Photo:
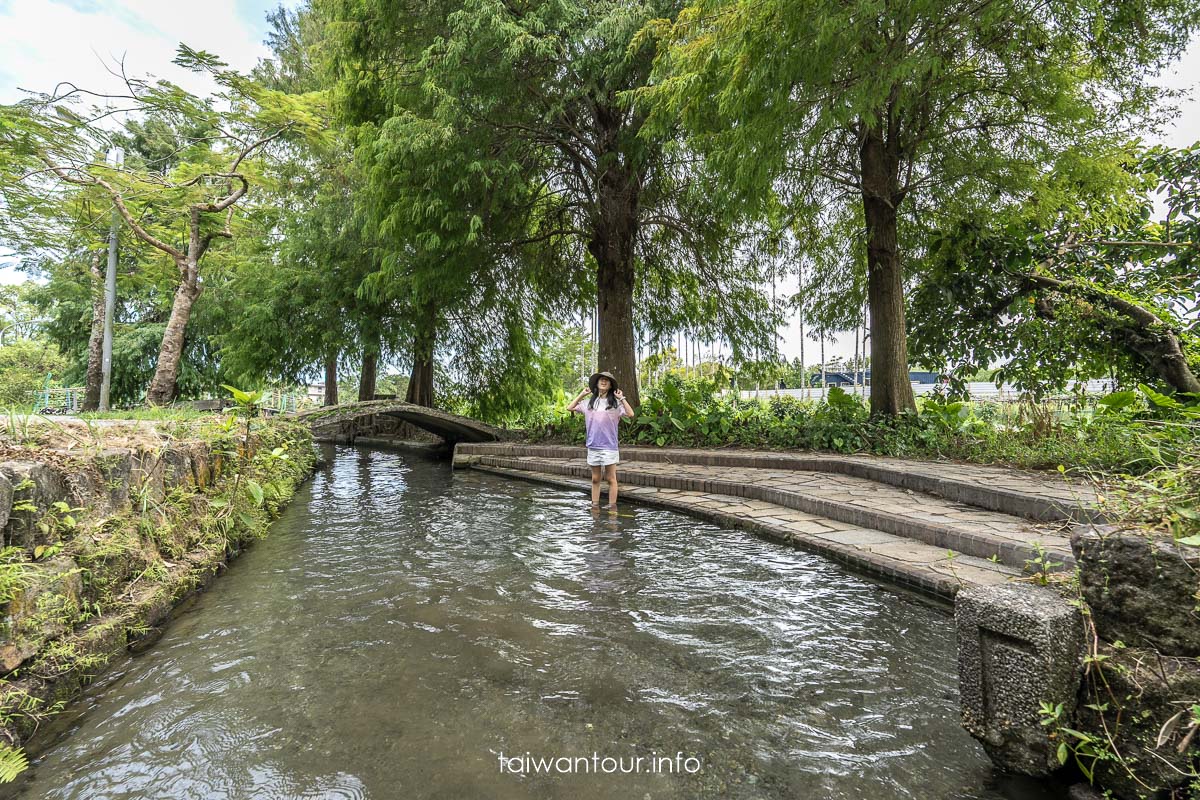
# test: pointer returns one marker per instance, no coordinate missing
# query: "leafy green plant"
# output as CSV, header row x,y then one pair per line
x,y
1041,567
248,402
13,576
12,762
1087,749
1118,402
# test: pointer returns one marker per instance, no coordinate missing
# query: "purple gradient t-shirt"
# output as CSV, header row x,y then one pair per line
x,y
601,422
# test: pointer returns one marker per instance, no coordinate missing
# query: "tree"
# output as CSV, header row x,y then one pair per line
x,y
24,365
1096,294
918,105
203,189
515,159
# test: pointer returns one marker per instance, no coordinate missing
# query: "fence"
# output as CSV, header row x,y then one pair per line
x,y
286,402
977,391
62,401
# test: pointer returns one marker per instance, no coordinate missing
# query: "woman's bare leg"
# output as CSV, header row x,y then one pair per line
x,y
596,485
612,485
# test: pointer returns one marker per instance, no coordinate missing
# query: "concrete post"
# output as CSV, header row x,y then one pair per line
x,y
1018,646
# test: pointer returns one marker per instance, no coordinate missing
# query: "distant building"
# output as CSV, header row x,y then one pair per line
x,y
863,378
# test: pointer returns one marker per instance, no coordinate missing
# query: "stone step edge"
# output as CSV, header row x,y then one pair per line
x,y
990,498
871,564
985,546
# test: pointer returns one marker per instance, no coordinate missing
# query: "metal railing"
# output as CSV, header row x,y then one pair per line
x,y
63,401
977,391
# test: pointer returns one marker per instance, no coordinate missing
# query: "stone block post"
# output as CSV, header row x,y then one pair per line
x,y
1018,646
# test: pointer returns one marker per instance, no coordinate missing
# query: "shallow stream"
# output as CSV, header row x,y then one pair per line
x,y
403,627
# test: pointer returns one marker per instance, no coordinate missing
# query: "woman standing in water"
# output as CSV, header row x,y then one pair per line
x,y
601,414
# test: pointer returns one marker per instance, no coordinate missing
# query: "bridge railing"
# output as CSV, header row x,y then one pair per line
x,y
66,400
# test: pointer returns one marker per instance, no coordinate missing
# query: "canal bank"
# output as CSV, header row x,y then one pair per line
x,y
107,526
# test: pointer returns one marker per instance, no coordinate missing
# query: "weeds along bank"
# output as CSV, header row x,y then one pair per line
x,y
106,526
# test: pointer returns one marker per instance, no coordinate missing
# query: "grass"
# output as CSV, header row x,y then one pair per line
x,y
150,414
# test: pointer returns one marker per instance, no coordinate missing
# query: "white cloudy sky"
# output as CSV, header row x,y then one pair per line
x,y
45,41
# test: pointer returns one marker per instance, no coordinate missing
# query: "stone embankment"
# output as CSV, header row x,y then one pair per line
x,y
106,527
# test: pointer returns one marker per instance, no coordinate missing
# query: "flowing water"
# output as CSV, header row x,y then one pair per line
x,y
408,632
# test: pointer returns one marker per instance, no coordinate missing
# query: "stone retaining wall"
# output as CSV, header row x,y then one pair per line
x,y
100,546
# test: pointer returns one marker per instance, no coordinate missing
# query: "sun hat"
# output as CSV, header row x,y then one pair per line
x,y
592,381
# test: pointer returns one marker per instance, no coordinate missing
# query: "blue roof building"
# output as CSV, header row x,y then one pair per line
x,y
863,378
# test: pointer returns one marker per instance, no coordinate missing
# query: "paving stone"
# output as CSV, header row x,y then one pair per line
x,y
904,550
860,536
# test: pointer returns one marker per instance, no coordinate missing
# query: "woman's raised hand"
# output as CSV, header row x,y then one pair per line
x,y
619,394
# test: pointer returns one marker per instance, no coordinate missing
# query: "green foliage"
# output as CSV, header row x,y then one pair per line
x,y
1094,289
1165,499
13,576
247,401
12,762
503,182
691,413
19,708
24,367
882,122
1086,749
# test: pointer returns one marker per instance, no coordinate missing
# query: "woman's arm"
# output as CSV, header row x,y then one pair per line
x,y
575,403
626,409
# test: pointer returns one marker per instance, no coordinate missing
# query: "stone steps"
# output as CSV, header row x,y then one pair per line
x,y
930,569
1037,496
830,498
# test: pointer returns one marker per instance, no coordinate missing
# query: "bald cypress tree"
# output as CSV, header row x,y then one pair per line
x,y
500,142
889,112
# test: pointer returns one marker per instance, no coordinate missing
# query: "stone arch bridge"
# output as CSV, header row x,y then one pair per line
x,y
330,420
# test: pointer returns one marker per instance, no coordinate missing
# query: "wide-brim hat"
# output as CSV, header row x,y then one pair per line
x,y
596,376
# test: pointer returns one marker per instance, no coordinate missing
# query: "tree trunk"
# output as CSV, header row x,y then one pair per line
x,y
614,303
1162,351
891,389
612,232
331,389
420,381
95,365
163,386
366,381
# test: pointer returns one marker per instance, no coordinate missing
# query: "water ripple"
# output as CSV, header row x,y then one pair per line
x,y
402,626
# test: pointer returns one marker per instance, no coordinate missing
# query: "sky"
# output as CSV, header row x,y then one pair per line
x,y
45,41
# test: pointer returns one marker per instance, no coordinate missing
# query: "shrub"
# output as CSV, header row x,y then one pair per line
x,y
24,365
1132,432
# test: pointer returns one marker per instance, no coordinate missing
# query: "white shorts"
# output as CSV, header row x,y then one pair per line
x,y
602,458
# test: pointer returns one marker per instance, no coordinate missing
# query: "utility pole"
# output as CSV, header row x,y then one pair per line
x,y
115,158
